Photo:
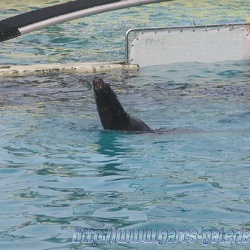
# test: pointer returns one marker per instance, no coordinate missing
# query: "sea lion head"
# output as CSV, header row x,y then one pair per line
x,y
110,110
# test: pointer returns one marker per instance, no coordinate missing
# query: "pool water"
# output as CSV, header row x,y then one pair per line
x,y
60,169
102,37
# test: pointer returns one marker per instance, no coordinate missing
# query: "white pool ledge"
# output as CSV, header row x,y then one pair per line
x,y
83,68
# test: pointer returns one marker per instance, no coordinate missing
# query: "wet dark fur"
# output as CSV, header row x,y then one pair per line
x,y
111,112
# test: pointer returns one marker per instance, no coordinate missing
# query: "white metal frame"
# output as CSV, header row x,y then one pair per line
x,y
180,28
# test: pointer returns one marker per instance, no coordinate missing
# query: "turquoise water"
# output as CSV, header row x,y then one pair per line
x,y
60,170
101,37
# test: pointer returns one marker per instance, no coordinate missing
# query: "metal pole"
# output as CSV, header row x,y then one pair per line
x,y
44,17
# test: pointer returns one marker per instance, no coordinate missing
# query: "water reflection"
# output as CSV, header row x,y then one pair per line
x,y
111,145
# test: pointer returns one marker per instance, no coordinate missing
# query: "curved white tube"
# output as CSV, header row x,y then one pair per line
x,y
84,13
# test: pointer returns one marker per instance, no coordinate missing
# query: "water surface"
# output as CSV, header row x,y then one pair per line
x,y
59,168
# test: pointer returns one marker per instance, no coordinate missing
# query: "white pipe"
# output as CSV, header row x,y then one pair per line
x,y
84,13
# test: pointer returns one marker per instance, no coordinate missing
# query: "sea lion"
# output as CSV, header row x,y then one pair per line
x,y
111,112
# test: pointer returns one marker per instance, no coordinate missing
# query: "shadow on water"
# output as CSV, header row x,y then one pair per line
x,y
110,145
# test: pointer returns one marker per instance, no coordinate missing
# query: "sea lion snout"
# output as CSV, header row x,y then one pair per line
x,y
98,83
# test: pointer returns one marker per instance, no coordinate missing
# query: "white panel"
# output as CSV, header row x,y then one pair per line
x,y
165,47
